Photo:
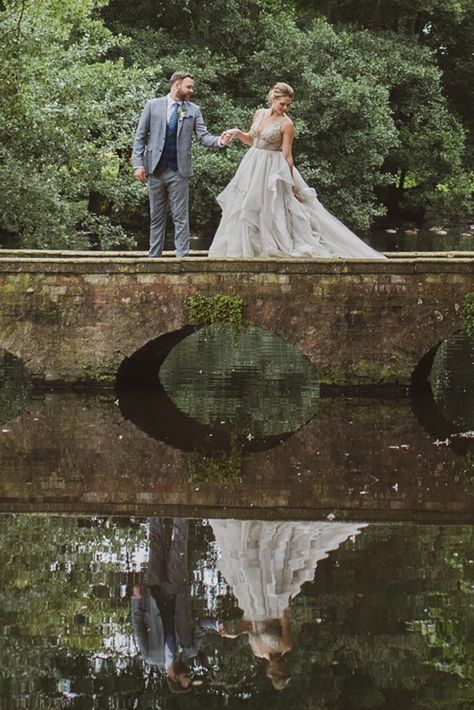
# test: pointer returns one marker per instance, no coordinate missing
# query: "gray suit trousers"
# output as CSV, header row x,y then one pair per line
x,y
168,187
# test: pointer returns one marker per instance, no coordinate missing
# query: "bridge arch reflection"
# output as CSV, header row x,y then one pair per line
x,y
203,387
443,395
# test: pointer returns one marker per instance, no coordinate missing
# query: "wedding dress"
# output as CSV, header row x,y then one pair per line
x,y
266,563
261,217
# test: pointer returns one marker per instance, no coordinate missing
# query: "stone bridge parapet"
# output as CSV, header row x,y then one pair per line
x,y
74,318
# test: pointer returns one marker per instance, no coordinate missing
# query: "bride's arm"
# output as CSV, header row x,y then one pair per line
x,y
288,132
242,137
246,138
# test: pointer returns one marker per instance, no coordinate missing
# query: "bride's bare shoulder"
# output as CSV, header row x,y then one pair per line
x,y
259,112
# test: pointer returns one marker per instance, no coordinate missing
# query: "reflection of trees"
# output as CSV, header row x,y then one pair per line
x,y
358,630
261,383
444,626
452,379
62,593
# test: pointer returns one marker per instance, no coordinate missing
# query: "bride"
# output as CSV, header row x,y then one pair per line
x,y
267,208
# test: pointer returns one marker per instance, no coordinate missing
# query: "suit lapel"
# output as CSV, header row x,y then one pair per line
x,y
163,114
184,107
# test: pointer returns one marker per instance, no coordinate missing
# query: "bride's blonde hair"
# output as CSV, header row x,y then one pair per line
x,y
280,89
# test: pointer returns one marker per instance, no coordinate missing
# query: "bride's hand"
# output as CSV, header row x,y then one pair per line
x,y
298,197
226,137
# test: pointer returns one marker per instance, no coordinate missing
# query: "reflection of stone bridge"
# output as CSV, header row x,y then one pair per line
x,y
73,317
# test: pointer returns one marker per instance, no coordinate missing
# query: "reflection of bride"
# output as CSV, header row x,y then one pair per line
x,y
267,209
266,564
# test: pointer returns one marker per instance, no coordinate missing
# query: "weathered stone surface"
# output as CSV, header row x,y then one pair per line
x,y
74,319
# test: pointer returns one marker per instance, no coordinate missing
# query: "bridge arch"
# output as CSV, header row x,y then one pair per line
x,y
421,373
73,318
142,367
214,380
15,385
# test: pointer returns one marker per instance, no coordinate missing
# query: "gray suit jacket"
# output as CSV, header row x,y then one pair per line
x,y
151,133
149,634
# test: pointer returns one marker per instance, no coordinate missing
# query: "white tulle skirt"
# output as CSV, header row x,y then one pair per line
x,y
266,563
261,216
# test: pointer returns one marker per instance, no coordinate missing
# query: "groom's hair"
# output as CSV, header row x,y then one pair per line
x,y
179,76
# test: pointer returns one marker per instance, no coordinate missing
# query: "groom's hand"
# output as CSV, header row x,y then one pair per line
x,y
226,137
140,174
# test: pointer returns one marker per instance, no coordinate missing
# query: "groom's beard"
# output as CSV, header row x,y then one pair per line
x,y
184,95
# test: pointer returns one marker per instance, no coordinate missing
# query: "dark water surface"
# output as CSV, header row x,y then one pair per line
x,y
369,616
331,536
238,426
454,239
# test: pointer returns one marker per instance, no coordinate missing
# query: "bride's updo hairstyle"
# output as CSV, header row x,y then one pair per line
x,y
278,91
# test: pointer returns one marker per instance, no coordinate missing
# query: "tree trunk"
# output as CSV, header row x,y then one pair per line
x,y
326,9
401,182
413,23
94,206
376,14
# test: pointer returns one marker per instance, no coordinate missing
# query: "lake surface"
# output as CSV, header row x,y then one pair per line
x,y
330,532
238,426
381,616
454,239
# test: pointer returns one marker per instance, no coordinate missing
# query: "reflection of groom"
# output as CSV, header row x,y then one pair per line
x,y
161,609
162,152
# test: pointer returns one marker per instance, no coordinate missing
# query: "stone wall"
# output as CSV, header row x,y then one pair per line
x,y
75,318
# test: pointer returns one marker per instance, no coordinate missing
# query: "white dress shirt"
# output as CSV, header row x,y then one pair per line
x,y
171,103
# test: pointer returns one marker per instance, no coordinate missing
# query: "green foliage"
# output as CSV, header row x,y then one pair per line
x,y
67,114
381,93
221,308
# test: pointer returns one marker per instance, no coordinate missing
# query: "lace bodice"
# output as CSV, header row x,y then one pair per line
x,y
269,137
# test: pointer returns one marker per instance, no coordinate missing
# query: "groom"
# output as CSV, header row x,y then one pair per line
x,y
167,635
162,154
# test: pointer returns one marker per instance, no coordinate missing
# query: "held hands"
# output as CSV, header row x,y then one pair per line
x,y
224,631
226,137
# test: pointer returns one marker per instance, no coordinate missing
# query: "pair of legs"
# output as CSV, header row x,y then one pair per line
x,y
168,186
167,575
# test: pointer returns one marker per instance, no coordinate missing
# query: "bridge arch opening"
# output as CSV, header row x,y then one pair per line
x,y
143,366
15,385
443,391
252,387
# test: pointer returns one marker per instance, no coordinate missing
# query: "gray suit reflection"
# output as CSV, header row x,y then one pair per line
x,y
161,610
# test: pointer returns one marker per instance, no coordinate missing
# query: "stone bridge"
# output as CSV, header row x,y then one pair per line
x,y
80,318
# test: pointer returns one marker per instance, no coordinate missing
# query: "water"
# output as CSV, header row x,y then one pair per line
x,y
255,382
424,240
359,508
380,615
455,239
452,381
227,438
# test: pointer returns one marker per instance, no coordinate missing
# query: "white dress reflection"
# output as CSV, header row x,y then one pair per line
x,y
266,563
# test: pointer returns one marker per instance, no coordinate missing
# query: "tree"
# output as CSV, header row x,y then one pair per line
x,y
67,113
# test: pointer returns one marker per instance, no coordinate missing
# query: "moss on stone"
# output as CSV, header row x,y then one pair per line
x,y
220,308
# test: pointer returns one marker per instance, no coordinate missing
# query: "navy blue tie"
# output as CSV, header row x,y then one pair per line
x,y
173,118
